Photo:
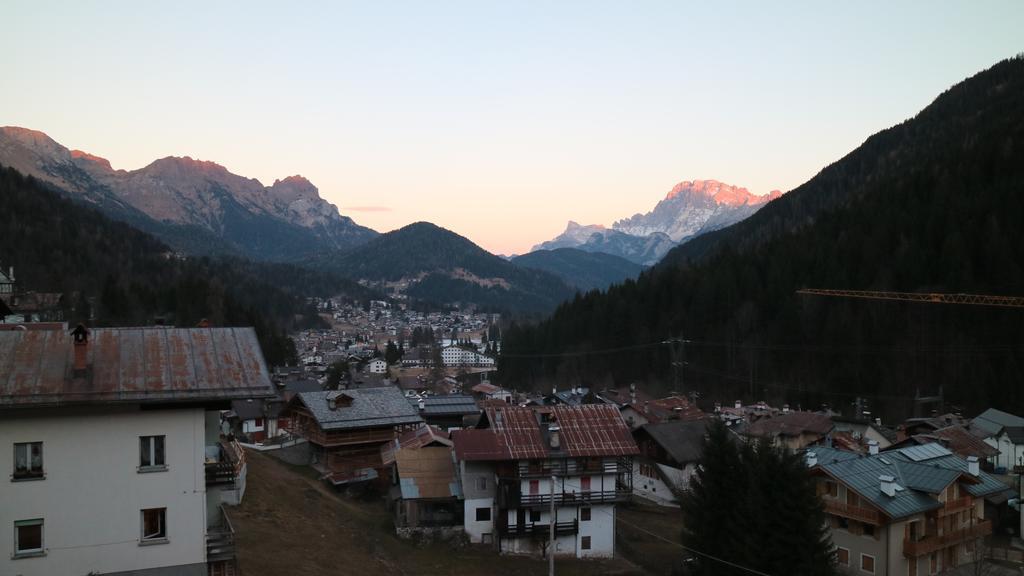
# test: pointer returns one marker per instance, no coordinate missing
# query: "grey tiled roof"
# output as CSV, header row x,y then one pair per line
x,y
992,421
370,408
917,481
683,440
447,405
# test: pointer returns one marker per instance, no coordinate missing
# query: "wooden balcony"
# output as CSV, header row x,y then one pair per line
x,y
575,498
538,530
228,466
956,505
572,467
859,513
347,438
932,543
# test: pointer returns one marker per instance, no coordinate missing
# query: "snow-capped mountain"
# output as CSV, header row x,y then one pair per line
x,y
695,207
645,250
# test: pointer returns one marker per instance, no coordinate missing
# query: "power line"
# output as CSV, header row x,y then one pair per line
x,y
687,548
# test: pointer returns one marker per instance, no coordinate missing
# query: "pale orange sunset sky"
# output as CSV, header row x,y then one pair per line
x,y
498,120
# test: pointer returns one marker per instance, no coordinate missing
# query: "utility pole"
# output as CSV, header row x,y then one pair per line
x,y
676,348
551,531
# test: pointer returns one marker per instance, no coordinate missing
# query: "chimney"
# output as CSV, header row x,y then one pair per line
x,y
422,404
738,405
81,338
785,408
812,459
972,466
888,485
873,447
878,421
677,412
718,407
10,274
554,440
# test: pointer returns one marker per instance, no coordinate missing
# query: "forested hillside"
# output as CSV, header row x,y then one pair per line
x,y
122,276
933,204
443,267
580,269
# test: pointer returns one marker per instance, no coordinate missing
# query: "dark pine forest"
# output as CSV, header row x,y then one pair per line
x,y
934,204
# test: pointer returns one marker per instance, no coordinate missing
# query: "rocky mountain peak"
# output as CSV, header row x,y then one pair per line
x,y
79,155
294,188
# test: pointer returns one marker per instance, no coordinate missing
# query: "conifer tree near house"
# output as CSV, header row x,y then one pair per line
x,y
755,506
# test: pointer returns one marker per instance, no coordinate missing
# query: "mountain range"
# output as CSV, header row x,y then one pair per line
x,y
932,204
195,206
433,264
690,208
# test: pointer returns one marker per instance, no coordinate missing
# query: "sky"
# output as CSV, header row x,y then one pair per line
x,y
498,120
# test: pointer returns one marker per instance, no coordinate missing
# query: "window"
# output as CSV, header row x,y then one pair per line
x,y
869,529
154,525
481,483
585,483
867,563
483,514
534,515
258,422
585,543
585,514
844,523
832,489
933,562
842,556
151,452
28,460
534,486
28,538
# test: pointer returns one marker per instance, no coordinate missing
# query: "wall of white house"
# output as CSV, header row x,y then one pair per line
x,y
649,485
477,530
1008,451
600,529
93,493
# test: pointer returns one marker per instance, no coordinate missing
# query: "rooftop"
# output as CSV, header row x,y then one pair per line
x,y
920,472
131,365
683,440
515,433
791,424
369,408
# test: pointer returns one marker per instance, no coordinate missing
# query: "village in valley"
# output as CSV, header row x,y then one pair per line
x,y
392,414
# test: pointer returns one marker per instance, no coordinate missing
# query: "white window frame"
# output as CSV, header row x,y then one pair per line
x,y
42,538
847,550
143,539
874,563
32,474
152,466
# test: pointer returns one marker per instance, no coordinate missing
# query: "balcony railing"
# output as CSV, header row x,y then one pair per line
x,y
571,467
840,508
228,466
575,498
221,557
537,529
956,505
931,543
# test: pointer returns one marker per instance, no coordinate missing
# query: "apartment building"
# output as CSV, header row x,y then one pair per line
x,y
909,511
521,460
116,464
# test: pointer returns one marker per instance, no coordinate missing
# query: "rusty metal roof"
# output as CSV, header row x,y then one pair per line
x,y
131,365
413,439
514,433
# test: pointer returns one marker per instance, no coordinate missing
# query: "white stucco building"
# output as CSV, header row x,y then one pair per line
x,y
118,464
521,460
377,366
456,356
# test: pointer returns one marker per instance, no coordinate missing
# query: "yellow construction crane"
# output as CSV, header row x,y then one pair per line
x,y
931,298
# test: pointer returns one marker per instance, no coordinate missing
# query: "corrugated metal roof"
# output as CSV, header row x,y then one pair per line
x,y
370,408
514,433
992,421
791,424
132,365
427,473
917,481
423,436
924,452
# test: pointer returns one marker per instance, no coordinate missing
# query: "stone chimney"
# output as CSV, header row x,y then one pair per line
x,y
553,436
888,485
422,404
872,447
972,466
812,459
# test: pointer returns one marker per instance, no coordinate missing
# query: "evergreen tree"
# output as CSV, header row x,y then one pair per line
x,y
755,506
391,355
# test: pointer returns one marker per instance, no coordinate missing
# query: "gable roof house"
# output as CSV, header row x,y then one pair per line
x,y
791,430
447,410
915,510
347,428
116,446
425,492
1004,432
665,409
668,459
507,464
